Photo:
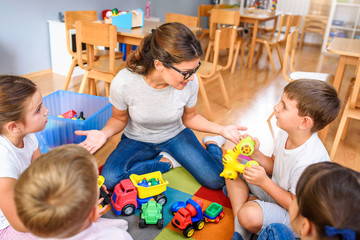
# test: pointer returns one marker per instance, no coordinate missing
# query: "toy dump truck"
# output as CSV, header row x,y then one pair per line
x,y
132,193
214,213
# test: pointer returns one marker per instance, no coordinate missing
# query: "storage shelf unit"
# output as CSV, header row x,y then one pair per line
x,y
344,21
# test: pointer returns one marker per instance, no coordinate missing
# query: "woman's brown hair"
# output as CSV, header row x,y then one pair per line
x,y
14,94
169,43
328,194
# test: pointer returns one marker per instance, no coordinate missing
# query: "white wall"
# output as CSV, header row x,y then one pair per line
x,y
24,35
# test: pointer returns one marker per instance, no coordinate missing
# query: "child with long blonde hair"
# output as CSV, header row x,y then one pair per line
x,y
21,115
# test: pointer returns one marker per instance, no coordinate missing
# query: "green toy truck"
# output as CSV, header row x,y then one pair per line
x,y
151,213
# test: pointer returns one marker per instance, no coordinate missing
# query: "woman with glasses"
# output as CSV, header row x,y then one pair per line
x,y
154,102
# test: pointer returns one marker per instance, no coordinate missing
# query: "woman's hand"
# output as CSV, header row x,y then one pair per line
x,y
232,132
94,139
255,175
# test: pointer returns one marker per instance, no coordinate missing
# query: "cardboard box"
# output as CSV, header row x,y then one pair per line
x,y
131,19
58,131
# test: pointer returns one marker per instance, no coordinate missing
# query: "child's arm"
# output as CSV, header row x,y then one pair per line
x,y
7,203
266,162
36,154
256,175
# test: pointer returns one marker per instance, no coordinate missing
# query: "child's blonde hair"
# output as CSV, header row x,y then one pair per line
x,y
14,94
56,194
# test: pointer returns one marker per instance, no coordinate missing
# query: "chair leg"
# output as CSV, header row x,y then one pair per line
x,y
208,51
242,54
83,82
237,49
302,36
270,57
259,52
107,89
279,55
269,119
223,90
345,129
205,98
68,77
342,123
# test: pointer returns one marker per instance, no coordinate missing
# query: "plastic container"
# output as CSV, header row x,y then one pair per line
x,y
129,20
58,131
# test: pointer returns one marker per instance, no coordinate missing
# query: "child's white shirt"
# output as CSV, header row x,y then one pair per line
x,y
290,164
104,228
14,161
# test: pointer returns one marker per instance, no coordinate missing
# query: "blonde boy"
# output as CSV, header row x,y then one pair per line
x,y
306,107
57,197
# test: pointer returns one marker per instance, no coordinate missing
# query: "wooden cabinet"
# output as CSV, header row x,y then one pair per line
x,y
344,21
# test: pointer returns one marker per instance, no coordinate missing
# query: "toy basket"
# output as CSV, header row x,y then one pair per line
x,y
58,131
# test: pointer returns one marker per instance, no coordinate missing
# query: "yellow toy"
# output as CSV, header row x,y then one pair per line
x,y
231,165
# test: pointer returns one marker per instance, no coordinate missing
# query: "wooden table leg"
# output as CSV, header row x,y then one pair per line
x,y
252,47
339,72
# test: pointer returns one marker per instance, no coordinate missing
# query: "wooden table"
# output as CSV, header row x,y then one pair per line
x,y
135,35
253,18
349,51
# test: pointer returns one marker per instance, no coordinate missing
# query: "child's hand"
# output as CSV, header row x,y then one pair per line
x,y
104,209
94,140
255,175
232,132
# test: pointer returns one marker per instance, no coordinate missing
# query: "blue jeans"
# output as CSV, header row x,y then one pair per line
x,y
276,231
131,156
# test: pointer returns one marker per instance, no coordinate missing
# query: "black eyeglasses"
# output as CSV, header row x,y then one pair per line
x,y
187,74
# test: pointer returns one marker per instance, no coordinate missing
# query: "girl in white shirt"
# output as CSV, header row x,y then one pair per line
x,y
21,115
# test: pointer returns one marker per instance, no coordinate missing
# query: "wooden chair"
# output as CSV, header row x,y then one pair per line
x,y
289,57
225,38
273,41
203,12
290,50
220,18
317,18
189,21
70,18
106,67
351,111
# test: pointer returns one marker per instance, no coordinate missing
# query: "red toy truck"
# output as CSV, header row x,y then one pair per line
x,y
189,218
131,193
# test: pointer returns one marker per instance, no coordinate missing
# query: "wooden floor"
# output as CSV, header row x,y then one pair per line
x,y
253,93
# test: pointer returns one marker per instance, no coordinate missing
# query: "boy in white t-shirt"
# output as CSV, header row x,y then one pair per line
x,y
57,198
306,106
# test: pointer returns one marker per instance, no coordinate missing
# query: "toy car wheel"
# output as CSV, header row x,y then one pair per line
x,y
128,209
188,231
142,223
160,223
222,214
200,224
161,198
217,219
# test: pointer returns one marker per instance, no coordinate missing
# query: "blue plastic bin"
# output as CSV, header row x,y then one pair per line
x,y
97,111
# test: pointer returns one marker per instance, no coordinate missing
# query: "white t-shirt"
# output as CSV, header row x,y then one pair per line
x,y
103,229
14,161
289,164
154,114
